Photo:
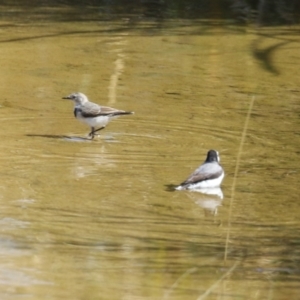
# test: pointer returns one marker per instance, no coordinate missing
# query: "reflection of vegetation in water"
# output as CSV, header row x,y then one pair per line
x,y
236,173
259,11
262,12
267,11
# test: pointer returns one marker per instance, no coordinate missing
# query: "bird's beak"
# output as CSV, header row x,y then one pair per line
x,y
67,97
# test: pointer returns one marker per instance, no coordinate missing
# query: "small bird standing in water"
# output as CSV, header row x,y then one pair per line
x,y
209,175
96,116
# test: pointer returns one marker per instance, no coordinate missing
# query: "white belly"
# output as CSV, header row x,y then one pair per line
x,y
96,122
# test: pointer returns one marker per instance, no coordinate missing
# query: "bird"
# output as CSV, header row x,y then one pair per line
x,y
208,175
92,114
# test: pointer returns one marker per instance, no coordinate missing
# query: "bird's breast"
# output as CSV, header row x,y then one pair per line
x,y
78,113
75,112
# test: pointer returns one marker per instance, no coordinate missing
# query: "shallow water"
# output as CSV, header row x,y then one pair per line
x,y
87,219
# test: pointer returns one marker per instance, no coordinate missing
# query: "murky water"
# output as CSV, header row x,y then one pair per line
x,y
87,219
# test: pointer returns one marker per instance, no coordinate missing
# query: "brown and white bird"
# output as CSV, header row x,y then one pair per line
x,y
92,114
209,175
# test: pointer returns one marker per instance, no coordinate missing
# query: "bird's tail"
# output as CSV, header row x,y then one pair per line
x,y
120,113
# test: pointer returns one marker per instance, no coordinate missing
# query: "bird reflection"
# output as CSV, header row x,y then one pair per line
x,y
209,199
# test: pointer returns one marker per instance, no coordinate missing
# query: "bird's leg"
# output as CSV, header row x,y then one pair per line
x,y
98,129
92,133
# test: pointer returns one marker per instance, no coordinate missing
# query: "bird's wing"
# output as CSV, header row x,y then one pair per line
x,y
204,172
90,109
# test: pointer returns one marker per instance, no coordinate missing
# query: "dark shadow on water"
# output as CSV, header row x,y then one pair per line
x,y
61,137
265,56
170,187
